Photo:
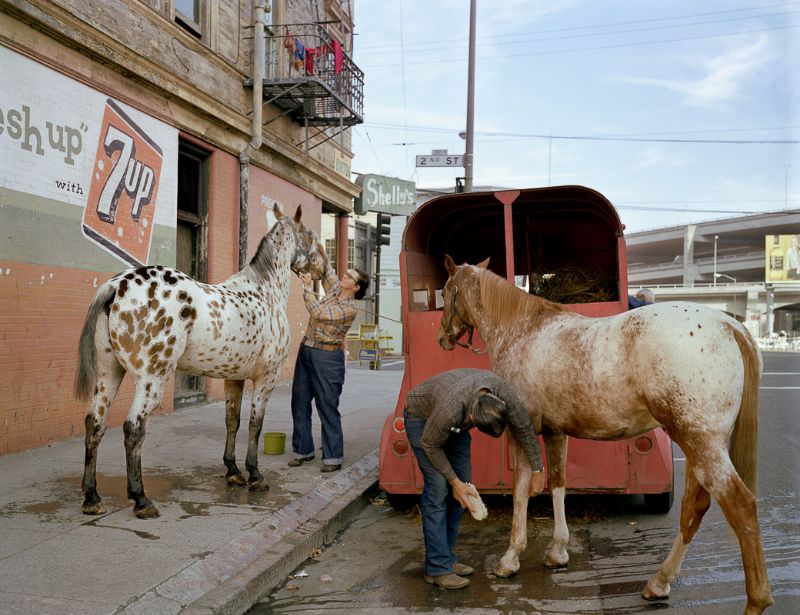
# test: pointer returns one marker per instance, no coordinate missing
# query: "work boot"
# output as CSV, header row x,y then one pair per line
x,y
447,581
462,570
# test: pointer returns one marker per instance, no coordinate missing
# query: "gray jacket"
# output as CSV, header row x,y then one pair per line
x,y
442,401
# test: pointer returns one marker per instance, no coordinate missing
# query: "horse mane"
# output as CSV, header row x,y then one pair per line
x,y
264,260
505,303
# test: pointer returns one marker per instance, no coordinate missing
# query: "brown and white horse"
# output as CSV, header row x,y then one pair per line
x,y
150,321
690,369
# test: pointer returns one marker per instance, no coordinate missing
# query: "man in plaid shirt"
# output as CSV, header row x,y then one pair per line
x,y
320,365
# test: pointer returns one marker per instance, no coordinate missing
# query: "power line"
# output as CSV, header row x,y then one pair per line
x,y
437,46
606,25
595,48
629,139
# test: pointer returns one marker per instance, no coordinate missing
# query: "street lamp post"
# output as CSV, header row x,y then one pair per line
x,y
723,275
468,172
716,237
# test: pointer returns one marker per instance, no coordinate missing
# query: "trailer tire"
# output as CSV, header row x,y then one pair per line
x,y
402,501
659,503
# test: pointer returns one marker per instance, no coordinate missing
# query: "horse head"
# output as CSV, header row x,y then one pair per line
x,y
456,318
309,255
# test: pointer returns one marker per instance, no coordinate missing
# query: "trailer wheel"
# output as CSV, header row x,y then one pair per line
x,y
402,501
660,503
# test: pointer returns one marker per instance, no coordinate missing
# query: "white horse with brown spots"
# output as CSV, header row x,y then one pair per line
x,y
150,321
690,369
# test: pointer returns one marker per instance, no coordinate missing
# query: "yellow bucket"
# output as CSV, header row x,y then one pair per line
x,y
274,442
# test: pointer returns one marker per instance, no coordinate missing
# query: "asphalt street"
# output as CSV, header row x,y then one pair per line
x,y
375,565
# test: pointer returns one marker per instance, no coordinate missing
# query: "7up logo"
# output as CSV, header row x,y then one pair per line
x,y
119,211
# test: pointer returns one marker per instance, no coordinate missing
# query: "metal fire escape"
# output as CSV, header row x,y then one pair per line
x,y
309,76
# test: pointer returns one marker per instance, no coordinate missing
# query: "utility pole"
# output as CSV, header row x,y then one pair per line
x,y
468,171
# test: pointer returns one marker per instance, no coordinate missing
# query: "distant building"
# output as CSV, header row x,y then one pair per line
x,y
737,264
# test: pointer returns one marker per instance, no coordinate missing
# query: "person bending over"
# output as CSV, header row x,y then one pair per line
x,y
438,416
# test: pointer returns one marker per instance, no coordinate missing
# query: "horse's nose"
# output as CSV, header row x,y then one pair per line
x,y
445,342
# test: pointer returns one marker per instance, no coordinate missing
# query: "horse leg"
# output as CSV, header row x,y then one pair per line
x,y
509,563
739,506
262,389
233,406
718,477
109,377
694,505
556,449
147,397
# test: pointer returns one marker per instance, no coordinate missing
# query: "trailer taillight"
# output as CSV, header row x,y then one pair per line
x,y
400,448
643,444
399,425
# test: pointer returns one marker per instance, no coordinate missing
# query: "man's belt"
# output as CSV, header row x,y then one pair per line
x,y
323,345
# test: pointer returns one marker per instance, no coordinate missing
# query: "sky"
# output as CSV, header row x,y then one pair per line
x,y
677,111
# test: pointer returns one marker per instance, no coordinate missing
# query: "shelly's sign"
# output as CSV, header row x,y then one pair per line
x,y
124,184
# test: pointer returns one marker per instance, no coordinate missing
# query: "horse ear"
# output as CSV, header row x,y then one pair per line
x,y
449,264
276,209
298,214
483,264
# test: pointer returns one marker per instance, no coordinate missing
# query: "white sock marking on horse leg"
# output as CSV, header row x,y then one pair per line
x,y
557,554
659,584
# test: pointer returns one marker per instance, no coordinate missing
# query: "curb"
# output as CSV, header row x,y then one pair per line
x,y
233,578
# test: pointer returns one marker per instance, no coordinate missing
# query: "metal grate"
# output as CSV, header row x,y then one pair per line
x,y
309,75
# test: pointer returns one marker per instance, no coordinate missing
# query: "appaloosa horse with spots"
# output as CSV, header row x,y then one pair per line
x,y
150,321
690,369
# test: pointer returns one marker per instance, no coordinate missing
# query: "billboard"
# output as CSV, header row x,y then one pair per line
x,y
782,256
86,181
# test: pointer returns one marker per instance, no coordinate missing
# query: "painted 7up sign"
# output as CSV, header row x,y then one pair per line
x,y
124,184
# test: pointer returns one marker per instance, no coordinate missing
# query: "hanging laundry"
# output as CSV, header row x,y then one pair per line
x,y
338,59
311,52
299,55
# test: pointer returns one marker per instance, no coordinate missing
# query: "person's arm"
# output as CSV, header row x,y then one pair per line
x,y
436,432
524,431
329,281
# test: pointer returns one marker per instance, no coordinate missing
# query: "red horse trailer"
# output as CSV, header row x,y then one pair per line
x,y
523,232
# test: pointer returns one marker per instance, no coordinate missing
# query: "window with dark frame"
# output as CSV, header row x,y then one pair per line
x,y
189,15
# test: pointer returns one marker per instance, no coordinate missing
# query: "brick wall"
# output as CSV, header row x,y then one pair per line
x,y
42,309
223,232
265,189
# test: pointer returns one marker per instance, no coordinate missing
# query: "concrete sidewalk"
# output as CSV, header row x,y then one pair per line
x,y
215,548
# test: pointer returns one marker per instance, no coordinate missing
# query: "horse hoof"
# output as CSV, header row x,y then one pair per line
x,y
503,571
259,485
95,508
236,480
655,590
552,561
147,512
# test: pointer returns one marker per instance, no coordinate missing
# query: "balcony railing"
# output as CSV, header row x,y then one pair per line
x,y
308,74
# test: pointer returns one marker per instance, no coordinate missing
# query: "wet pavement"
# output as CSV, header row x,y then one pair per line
x,y
375,565
215,548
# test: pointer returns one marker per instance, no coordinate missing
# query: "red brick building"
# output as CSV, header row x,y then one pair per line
x,y
133,132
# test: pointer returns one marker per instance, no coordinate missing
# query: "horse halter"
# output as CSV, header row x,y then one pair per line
x,y
298,245
454,312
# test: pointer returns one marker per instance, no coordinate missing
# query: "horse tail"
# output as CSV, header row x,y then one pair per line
x,y
86,373
744,440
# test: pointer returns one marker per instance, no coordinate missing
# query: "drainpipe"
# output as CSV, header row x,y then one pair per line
x,y
256,134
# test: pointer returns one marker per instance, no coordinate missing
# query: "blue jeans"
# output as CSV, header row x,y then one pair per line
x,y
318,375
441,512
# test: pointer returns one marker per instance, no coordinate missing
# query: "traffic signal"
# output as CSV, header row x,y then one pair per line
x,y
384,229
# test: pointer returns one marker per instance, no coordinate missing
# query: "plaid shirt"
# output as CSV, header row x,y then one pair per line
x,y
330,316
